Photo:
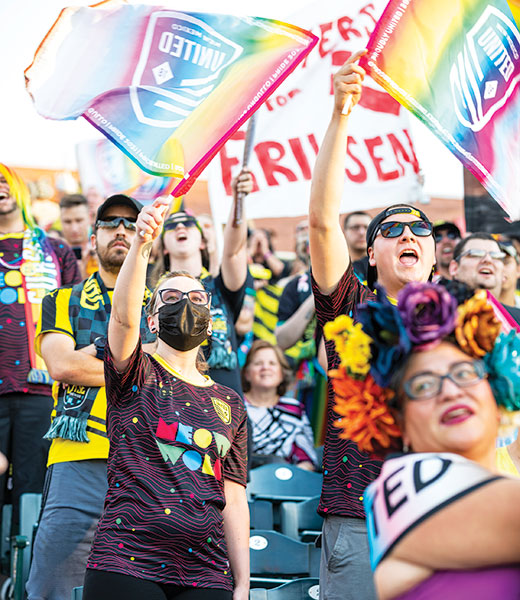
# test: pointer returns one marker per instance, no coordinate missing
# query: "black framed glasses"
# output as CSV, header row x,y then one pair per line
x,y
428,385
114,222
481,253
451,235
172,296
393,229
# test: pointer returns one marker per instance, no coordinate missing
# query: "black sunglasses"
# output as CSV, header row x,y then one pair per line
x,y
393,229
189,222
451,235
172,296
114,222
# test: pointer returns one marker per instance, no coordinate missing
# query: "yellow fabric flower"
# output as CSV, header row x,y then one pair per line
x,y
352,344
477,327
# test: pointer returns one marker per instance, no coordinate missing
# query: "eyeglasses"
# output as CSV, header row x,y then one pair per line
x,y
481,253
114,222
428,385
451,235
189,222
172,296
393,229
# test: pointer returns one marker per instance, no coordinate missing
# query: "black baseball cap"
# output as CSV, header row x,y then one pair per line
x,y
373,228
446,226
118,200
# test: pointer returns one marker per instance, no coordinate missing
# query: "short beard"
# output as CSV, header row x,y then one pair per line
x,y
110,264
8,211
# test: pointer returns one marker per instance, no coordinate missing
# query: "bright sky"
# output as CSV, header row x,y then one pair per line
x,y
30,140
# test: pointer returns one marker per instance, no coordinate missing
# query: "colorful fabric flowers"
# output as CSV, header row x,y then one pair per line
x,y
390,341
352,344
428,312
365,416
503,367
477,326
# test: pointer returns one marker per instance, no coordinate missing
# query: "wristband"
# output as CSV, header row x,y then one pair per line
x,y
100,343
267,255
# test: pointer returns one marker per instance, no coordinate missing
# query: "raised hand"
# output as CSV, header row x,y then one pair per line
x,y
348,84
151,219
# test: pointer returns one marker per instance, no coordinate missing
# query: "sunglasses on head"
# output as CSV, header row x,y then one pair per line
x,y
481,253
172,296
114,222
451,235
188,222
393,229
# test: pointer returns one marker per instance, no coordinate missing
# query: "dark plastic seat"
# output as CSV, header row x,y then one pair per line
x,y
279,483
261,514
276,558
299,589
77,593
299,520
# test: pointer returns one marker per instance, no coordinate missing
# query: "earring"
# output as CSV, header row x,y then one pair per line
x,y
406,448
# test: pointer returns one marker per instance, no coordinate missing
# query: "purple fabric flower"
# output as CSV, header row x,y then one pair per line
x,y
382,322
428,311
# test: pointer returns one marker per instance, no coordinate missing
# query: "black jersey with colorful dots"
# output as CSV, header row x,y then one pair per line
x,y
172,444
15,362
346,470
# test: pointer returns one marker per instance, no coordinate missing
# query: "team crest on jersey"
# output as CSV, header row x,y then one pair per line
x,y
222,409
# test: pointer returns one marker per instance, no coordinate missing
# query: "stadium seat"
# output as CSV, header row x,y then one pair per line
x,y
300,521
298,589
260,514
279,483
276,558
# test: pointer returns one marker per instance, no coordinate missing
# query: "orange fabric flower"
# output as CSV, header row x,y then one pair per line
x,y
477,327
365,416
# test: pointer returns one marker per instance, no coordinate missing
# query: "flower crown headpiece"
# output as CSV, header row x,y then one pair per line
x,y
371,350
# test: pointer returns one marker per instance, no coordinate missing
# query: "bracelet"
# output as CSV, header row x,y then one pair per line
x,y
267,255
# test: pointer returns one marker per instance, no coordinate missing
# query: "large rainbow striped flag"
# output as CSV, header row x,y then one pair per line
x,y
455,64
167,87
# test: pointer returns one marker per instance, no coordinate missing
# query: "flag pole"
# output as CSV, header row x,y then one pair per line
x,y
248,146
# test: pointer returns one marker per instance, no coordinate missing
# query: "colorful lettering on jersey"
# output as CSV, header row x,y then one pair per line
x,y
202,438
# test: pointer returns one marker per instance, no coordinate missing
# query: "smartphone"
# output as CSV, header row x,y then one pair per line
x,y
77,252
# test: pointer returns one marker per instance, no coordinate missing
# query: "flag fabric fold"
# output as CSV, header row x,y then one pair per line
x,y
455,64
167,87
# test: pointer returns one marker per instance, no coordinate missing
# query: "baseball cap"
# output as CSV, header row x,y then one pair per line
x,y
446,225
117,200
373,228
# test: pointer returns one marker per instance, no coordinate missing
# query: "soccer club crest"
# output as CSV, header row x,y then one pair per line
x,y
222,409
182,60
486,70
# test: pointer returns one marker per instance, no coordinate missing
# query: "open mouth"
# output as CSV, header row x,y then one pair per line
x,y
486,271
456,414
408,257
4,196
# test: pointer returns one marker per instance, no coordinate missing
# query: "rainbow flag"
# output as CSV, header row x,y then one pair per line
x,y
455,64
102,165
167,87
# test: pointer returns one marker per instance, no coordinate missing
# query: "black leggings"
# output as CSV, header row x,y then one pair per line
x,y
104,585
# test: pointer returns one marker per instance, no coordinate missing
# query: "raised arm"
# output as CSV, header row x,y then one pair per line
x,y
234,255
329,250
127,301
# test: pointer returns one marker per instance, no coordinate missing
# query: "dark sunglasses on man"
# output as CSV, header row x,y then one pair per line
x,y
450,235
393,229
481,253
114,222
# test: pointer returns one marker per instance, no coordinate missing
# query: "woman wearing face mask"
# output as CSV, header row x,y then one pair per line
x,y
176,520
426,377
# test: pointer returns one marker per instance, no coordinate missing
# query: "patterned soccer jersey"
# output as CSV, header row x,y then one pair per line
x,y
172,444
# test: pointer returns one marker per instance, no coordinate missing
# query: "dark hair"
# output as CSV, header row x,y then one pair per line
x,y
286,371
71,200
356,213
201,364
479,235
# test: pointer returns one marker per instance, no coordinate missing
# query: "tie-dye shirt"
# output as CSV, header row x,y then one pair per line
x,y
172,444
